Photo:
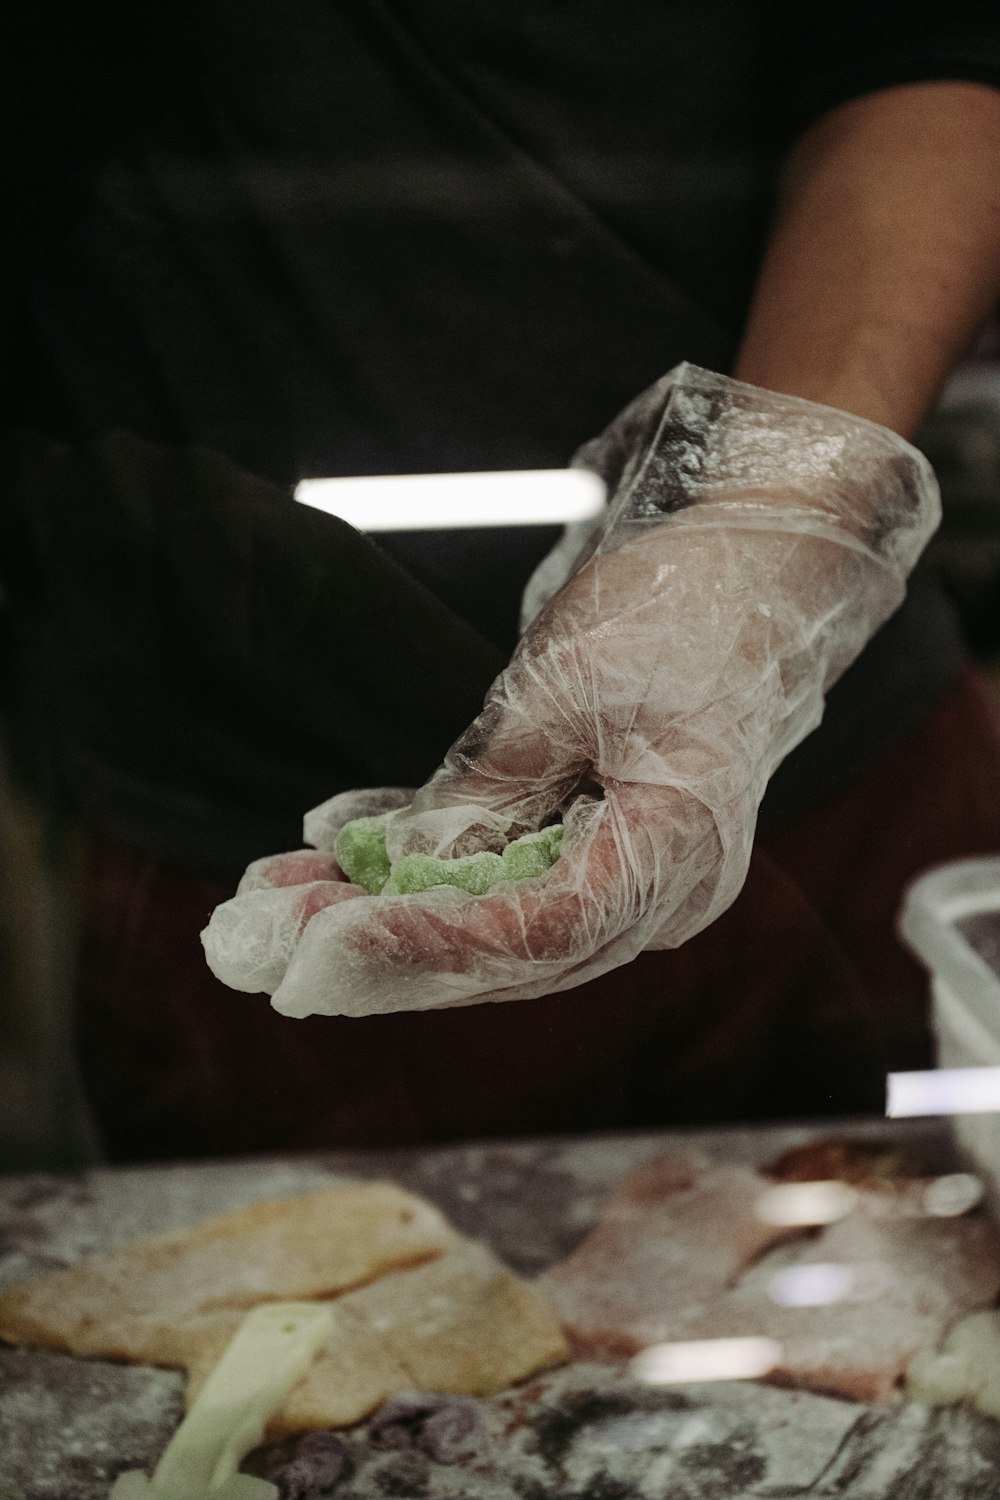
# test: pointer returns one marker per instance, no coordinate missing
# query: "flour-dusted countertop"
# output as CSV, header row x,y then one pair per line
x,y
585,1432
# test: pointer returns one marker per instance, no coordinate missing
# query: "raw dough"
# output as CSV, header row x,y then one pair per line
x,y
361,854
130,1302
682,1253
415,1305
967,1368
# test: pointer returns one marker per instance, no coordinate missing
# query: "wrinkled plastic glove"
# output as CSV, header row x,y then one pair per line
x,y
753,544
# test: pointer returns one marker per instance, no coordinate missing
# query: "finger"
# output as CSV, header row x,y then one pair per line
x,y
557,717
628,861
397,959
249,940
511,769
300,867
322,824
596,907
441,949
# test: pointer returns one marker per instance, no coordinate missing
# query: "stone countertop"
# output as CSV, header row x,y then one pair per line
x,y
585,1432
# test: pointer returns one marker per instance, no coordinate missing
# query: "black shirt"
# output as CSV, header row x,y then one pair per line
x,y
370,237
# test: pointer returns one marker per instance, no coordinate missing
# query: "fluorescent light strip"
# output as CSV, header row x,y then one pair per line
x,y
814,1284
706,1359
948,1197
440,502
943,1091
806,1203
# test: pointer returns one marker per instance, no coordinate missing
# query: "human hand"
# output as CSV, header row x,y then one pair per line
x,y
753,544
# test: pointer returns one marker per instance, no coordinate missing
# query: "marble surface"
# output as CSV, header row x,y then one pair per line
x,y
585,1432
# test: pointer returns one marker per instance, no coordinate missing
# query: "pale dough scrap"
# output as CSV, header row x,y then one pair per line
x,y
128,1303
681,1254
674,1235
462,1324
967,1368
416,1306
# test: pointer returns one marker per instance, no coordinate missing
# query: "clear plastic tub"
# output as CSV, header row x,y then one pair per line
x,y
951,920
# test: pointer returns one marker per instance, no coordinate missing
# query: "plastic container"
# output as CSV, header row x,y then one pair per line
x,y
950,918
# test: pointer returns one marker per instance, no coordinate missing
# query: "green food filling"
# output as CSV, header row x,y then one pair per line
x,y
474,873
361,854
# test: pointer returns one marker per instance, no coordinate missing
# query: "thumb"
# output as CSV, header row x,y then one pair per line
x,y
512,768
323,823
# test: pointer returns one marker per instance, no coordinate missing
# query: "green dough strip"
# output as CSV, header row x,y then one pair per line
x,y
474,873
533,854
361,854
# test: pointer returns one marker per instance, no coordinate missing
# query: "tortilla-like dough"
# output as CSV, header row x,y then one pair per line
x,y
681,1255
463,1324
415,1305
130,1302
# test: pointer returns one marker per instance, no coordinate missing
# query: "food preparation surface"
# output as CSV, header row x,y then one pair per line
x,y
590,1432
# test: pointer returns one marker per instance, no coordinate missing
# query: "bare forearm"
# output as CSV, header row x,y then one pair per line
x,y
885,256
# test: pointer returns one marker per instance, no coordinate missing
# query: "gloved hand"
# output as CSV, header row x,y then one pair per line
x,y
753,544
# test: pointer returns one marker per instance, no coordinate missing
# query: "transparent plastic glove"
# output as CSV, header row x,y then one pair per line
x,y
753,544
252,938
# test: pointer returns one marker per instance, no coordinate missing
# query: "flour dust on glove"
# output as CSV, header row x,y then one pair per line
x,y
753,544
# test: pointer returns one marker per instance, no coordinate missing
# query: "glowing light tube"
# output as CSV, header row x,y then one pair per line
x,y
943,1091
440,502
706,1359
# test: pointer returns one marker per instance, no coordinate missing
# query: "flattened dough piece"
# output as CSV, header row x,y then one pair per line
x,y
931,1272
131,1303
461,1324
680,1254
675,1234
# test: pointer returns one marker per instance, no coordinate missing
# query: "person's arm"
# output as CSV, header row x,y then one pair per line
x,y
885,254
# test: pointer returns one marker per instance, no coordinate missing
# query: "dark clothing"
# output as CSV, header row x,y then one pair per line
x,y
795,1003
306,238
379,236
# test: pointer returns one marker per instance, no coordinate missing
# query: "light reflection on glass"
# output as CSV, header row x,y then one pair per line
x,y
820,1283
943,1091
947,1197
706,1359
789,1203
811,1285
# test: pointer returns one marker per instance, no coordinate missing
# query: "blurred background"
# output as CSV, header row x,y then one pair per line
x,y
43,1120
